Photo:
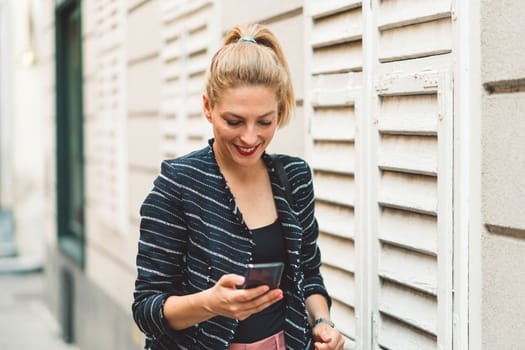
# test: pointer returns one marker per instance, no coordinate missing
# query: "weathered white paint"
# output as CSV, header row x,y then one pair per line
x,y
333,79
332,124
412,41
411,154
414,308
338,221
408,192
401,13
411,115
467,175
408,229
410,268
339,28
395,335
319,8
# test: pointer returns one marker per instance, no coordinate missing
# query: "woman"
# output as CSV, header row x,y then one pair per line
x,y
217,209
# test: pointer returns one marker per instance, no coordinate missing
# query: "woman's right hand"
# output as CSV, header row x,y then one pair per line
x,y
225,299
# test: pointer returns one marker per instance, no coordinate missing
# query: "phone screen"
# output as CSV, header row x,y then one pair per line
x,y
267,274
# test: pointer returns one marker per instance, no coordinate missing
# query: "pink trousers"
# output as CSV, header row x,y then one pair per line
x,y
274,342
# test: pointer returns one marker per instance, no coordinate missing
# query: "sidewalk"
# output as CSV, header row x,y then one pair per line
x,y
25,320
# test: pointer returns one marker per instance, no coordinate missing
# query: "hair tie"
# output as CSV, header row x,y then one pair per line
x,y
248,39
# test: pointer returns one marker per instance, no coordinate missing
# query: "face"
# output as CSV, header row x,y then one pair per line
x,y
244,122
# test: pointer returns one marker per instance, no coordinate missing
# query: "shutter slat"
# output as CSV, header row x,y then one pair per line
x,y
414,308
396,13
415,270
411,154
327,156
409,192
340,283
334,124
335,188
335,220
327,8
341,252
398,335
412,41
409,230
336,29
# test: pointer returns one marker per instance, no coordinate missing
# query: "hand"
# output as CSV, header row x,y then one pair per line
x,y
226,300
327,338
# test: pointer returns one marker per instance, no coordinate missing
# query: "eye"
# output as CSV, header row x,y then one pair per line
x,y
233,122
265,123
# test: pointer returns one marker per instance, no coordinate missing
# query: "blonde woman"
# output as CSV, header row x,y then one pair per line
x,y
216,210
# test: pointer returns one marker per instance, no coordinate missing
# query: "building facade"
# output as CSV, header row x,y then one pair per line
x,y
409,112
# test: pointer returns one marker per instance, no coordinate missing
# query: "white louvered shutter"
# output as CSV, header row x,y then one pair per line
x,y
190,37
413,143
106,156
414,223
334,99
380,99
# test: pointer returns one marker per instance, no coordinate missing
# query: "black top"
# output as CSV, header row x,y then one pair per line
x,y
269,247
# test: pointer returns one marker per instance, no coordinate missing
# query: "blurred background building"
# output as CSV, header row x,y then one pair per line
x,y
410,112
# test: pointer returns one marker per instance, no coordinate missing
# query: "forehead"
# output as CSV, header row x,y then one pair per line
x,y
252,95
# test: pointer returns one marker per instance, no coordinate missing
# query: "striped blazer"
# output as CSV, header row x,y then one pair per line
x,y
192,233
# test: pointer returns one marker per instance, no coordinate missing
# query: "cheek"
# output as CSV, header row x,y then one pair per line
x,y
223,131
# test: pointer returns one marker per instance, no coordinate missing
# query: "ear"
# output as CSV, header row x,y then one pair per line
x,y
206,107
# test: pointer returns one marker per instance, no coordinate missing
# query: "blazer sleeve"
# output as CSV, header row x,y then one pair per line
x,y
161,254
310,253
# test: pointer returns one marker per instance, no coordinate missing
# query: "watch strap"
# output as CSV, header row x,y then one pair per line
x,y
323,320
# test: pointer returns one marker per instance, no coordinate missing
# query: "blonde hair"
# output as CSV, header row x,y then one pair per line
x,y
241,62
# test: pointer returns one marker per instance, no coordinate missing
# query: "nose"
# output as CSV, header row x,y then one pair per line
x,y
249,135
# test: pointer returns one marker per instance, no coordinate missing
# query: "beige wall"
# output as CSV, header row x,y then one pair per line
x,y
503,183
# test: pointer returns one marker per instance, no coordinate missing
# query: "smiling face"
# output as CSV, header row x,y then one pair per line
x,y
244,122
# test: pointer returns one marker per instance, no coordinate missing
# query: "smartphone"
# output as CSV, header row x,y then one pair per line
x,y
268,274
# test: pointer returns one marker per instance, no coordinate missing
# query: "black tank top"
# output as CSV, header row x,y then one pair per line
x,y
269,247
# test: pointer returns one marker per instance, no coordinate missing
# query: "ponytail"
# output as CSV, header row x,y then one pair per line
x,y
251,55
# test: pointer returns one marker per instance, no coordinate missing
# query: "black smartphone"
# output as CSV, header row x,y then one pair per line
x,y
268,274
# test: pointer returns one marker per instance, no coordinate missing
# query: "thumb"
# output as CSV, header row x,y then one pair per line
x,y
325,337
231,280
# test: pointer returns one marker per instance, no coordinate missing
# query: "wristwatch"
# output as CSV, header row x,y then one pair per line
x,y
323,320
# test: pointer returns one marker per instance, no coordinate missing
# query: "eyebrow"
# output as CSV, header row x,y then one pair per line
x,y
231,114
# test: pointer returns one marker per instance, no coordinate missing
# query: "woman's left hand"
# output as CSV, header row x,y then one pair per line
x,y
327,338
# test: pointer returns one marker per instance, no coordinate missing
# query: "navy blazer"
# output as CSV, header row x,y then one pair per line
x,y
192,233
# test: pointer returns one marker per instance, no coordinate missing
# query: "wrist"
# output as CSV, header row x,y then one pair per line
x,y
206,302
323,320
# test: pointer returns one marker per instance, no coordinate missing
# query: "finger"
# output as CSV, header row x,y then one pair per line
x,y
321,346
337,344
325,346
266,300
326,337
256,292
242,307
